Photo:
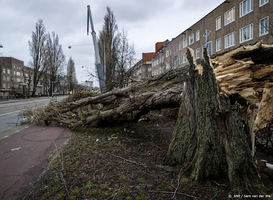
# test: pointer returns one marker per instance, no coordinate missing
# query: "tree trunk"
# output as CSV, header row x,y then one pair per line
x,y
35,83
210,139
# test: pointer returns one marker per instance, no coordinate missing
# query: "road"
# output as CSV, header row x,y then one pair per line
x,y
9,111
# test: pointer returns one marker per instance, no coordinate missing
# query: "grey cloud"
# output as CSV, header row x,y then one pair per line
x,y
146,22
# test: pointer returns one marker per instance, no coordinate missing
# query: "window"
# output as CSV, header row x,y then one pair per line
x,y
229,16
8,71
218,44
4,85
18,73
4,71
4,78
197,35
174,52
246,7
218,23
197,53
7,78
18,79
180,46
185,43
180,60
185,58
162,58
175,62
246,33
191,39
263,30
229,40
167,53
263,2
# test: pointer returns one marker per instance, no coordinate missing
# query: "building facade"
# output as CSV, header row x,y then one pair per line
x,y
17,80
11,76
143,68
232,24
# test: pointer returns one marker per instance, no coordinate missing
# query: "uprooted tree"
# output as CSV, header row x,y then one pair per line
x,y
217,112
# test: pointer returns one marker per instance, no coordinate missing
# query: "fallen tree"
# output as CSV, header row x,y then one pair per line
x,y
211,136
245,74
127,104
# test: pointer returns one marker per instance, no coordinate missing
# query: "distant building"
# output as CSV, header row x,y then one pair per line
x,y
89,84
11,76
17,80
230,25
143,68
158,62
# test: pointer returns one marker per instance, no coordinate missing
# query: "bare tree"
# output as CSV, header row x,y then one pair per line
x,y
108,44
37,50
116,53
71,75
54,58
126,57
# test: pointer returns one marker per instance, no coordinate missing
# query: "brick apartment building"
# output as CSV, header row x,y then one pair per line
x,y
232,24
143,68
17,79
14,77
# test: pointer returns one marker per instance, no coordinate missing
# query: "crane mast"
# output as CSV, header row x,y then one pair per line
x,y
101,74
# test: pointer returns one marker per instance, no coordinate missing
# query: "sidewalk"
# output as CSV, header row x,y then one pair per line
x,y
24,155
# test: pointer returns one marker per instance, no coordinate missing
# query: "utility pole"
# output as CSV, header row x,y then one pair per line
x,y
206,35
101,74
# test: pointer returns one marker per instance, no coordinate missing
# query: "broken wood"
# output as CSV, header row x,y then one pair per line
x,y
210,140
246,73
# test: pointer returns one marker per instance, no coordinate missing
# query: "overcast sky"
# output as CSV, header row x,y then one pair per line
x,y
146,22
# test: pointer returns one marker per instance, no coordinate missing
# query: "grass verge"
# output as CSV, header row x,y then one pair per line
x,y
120,162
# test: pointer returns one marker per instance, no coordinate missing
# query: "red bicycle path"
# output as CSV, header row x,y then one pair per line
x,y
25,155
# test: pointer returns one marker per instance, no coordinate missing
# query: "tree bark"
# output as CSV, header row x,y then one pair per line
x,y
210,139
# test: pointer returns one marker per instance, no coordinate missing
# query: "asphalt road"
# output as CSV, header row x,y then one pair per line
x,y
10,110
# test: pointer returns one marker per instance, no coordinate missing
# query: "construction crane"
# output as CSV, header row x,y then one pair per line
x,y
101,74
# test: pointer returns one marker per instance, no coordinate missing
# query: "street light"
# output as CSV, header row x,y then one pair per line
x,y
70,46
